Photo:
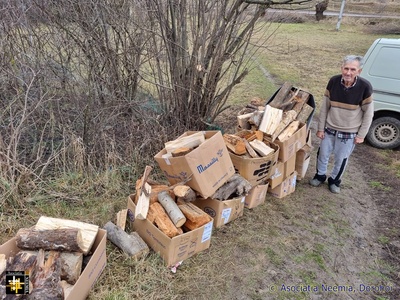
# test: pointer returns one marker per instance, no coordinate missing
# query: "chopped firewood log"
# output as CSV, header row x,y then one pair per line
x,y
256,118
88,231
163,221
195,216
281,95
66,239
261,148
156,189
184,192
271,119
289,131
67,288
305,113
121,218
189,141
235,185
301,99
288,117
172,209
248,135
132,244
144,190
3,263
234,144
70,263
46,277
256,101
250,150
182,151
291,101
243,120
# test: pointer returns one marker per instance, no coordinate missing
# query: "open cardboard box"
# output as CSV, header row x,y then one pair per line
x,y
172,250
256,196
222,212
90,273
209,165
287,187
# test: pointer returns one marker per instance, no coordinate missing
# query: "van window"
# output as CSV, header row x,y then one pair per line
x,y
384,62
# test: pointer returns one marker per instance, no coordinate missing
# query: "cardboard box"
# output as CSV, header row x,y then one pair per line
x,y
303,157
255,170
172,250
256,196
289,147
89,275
281,171
287,187
209,165
222,212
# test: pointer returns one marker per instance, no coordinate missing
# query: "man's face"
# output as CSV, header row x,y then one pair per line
x,y
350,70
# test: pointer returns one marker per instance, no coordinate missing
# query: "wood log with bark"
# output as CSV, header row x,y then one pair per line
x,y
195,217
65,239
235,144
163,221
172,209
185,193
235,186
88,231
132,244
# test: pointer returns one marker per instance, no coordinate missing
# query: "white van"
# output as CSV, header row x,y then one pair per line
x,y
382,69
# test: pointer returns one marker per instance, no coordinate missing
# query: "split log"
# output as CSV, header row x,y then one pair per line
x,y
163,221
288,103
22,261
156,189
289,131
67,288
250,150
243,120
235,144
70,263
189,141
71,266
184,192
3,264
261,148
131,244
144,190
305,113
235,185
88,231
281,95
172,209
195,216
121,218
271,119
256,118
67,239
46,277
181,151
300,101
287,118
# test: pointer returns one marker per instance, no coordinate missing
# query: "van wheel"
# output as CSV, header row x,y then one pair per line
x,y
384,133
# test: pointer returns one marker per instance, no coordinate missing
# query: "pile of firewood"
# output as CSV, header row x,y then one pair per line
x,y
170,208
54,252
281,117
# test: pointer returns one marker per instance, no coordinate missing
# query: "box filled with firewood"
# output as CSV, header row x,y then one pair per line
x,y
256,162
200,159
56,258
289,146
256,196
174,242
222,211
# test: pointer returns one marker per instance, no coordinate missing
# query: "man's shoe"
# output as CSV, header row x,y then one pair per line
x,y
315,182
334,188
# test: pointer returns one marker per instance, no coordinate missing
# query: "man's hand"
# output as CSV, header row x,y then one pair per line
x,y
358,140
321,134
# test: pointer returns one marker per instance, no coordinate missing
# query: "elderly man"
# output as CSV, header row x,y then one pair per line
x,y
344,119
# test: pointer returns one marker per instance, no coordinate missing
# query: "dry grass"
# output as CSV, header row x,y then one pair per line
x,y
306,54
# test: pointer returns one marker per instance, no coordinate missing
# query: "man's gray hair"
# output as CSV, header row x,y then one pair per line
x,y
351,58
